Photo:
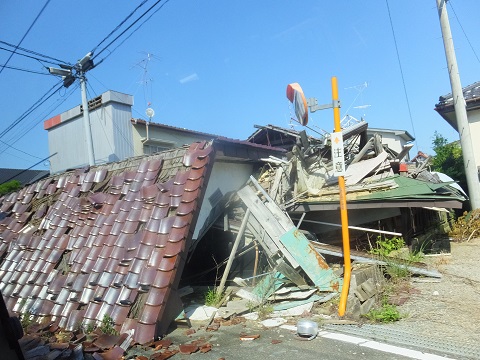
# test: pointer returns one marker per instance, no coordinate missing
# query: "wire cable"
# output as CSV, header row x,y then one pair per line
x,y
401,72
21,132
25,70
119,130
14,148
46,58
129,27
463,30
24,36
21,172
119,25
22,117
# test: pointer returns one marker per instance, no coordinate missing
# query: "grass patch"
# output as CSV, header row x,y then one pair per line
x,y
385,314
384,246
212,297
263,309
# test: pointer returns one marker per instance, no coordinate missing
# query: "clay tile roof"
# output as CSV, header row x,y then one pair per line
x,y
103,241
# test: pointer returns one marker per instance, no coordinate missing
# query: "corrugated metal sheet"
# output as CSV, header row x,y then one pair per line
x,y
111,133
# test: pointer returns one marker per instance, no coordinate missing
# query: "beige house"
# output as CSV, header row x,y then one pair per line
x,y
445,108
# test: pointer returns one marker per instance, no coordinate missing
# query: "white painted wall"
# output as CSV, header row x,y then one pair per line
x,y
226,177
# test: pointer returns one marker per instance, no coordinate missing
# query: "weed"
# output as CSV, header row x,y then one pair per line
x,y
396,271
89,328
263,309
26,319
385,314
385,246
212,297
108,326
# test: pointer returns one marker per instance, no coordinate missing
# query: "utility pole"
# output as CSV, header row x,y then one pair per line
x,y
460,106
86,120
66,72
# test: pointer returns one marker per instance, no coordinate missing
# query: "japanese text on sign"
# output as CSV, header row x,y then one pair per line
x,y
337,154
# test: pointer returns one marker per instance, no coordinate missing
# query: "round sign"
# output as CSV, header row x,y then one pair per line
x,y
296,96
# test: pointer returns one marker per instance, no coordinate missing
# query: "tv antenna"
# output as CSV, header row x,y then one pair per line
x,y
360,88
146,81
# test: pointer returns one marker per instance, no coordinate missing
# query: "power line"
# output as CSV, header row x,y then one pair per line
x,y
129,27
21,172
24,36
401,73
25,70
22,117
14,148
464,33
119,130
45,57
119,25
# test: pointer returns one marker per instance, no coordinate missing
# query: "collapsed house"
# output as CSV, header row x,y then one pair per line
x,y
383,191
114,240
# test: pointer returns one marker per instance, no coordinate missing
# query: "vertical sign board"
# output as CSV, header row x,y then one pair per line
x,y
337,154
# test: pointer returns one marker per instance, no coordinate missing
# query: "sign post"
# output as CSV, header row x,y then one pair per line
x,y
295,95
339,164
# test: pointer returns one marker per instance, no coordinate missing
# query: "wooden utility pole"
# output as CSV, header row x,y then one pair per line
x,y
460,105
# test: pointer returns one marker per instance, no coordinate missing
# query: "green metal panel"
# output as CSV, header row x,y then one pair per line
x,y
312,262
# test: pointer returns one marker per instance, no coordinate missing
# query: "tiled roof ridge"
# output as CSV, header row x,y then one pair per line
x,y
471,92
137,120
214,137
103,240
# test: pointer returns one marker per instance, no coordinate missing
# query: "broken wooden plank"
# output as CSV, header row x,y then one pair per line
x,y
357,171
266,220
367,258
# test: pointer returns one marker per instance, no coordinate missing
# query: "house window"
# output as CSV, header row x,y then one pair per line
x,y
152,149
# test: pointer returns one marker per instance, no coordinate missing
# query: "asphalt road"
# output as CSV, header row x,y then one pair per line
x,y
280,343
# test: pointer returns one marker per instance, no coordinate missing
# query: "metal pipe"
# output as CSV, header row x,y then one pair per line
x,y
393,233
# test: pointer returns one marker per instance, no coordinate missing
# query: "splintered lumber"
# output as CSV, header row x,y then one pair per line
x,y
360,256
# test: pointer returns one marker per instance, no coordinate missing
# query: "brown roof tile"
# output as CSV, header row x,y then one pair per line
x,y
104,236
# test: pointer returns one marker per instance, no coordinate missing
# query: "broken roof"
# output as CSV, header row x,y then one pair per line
x,y
445,105
110,240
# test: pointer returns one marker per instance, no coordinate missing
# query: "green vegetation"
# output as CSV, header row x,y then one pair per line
x,y
449,159
26,319
385,246
9,187
212,297
384,314
108,326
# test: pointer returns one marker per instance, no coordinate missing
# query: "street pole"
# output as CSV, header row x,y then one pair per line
x,y
347,268
86,120
463,126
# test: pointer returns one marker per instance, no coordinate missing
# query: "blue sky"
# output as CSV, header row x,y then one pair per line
x,y
221,66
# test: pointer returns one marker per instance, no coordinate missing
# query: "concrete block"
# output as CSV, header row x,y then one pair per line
x,y
353,307
369,288
367,306
360,294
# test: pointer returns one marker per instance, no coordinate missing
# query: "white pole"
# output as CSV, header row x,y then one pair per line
x,y
86,121
471,171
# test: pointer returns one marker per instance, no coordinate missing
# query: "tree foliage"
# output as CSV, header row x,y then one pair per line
x,y
9,187
448,159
